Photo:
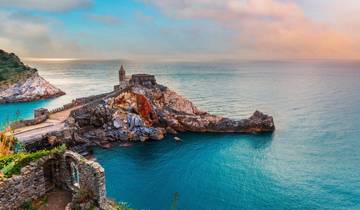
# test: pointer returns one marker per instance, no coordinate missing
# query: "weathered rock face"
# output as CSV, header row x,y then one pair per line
x,y
34,88
20,83
149,112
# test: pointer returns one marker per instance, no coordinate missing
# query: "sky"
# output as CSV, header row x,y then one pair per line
x,y
181,29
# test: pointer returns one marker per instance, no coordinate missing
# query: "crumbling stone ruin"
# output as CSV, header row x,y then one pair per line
x,y
69,171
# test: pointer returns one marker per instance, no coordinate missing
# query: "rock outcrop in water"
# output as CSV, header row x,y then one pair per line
x,y
146,110
20,83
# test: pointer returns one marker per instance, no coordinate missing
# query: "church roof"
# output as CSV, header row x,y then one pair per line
x,y
122,68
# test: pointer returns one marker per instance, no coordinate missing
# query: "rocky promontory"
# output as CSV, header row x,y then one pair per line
x,y
144,110
21,83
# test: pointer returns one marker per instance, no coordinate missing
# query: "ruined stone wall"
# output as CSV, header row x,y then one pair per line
x,y
91,177
24,123
33,181
41,112
30,184
40,115
89,99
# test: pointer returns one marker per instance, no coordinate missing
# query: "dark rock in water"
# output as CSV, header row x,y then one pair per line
x,y
171,130
146,110
20,83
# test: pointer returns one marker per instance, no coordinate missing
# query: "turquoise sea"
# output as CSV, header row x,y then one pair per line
x,y
310,162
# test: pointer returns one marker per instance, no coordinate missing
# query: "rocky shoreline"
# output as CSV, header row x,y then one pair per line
x,y
33,88
144,110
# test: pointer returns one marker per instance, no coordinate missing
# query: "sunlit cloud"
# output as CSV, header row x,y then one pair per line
x,y
31,35
182,29
268,28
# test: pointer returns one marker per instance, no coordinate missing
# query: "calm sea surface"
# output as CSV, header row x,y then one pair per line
x,y
310,162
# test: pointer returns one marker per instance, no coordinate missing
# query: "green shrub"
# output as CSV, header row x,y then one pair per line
x,y
4,161
11,67
12,164
27,206
59,149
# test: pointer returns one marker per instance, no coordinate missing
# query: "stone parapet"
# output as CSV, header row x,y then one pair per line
x,y
25,123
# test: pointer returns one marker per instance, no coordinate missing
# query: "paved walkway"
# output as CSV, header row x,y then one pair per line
x,y
54,123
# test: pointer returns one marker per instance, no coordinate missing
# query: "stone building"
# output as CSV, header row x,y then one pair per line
x,y
40,112
142,79
146,80
122,80
122,74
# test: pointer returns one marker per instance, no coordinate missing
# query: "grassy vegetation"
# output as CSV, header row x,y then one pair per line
x,y
123,206
12,164
12,69
27,206
34,205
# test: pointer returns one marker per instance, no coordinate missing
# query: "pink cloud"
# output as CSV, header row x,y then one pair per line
x,y
270,28
223,10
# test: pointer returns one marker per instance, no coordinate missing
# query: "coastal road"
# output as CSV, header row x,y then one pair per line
x,y
56,122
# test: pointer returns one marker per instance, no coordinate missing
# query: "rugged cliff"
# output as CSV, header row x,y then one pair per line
x,y
150,111
20,83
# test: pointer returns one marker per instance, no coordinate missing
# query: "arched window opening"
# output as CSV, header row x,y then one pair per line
x,y
75,177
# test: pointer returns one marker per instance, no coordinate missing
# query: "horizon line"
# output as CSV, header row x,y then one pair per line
x,y
44,59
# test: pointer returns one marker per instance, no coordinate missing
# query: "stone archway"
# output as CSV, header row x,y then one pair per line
x,y
49,169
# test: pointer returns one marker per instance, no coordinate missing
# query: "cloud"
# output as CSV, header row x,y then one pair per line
x,y
105,19
344,16
31,36
45,5
227,9
299,39
268,28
